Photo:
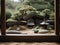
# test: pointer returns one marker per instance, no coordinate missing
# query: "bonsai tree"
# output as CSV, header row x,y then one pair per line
x,y
23,11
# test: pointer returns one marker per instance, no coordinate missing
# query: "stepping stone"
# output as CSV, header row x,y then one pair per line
x,y
13,32
43,31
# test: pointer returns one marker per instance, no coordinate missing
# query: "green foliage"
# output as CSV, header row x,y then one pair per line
x,y
8,15
9,4
52,15
40,4
17,16
31,8
23,11
27,7
46,11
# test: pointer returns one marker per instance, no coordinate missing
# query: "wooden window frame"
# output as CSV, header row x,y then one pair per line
x,y
46,38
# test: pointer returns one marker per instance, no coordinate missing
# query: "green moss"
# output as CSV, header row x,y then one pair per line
x,y
36,31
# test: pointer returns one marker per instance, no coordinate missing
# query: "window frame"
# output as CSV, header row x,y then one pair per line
x,y
3,36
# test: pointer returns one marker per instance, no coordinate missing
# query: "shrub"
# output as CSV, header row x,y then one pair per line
x,y
8,15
